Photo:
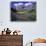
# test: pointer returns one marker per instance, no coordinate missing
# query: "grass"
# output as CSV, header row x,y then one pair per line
x,y
33,12
23,12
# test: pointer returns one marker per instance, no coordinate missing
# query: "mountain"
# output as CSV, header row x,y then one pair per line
x,y
39,40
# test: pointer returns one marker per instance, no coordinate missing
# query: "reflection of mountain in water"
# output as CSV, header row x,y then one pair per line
x,y
23,16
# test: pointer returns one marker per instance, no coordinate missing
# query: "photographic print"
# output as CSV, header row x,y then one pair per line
x,y
23,11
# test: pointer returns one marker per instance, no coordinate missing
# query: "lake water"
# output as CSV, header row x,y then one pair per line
x,y
39,44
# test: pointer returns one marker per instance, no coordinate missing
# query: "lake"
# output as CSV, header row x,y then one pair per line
x,y
38,44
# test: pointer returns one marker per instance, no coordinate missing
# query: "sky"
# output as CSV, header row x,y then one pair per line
x,y
31,30
16,4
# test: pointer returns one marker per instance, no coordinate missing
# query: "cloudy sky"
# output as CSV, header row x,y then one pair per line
x,y
18,5
30,30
